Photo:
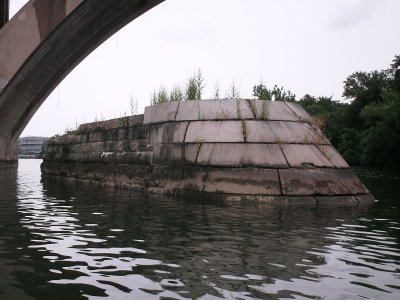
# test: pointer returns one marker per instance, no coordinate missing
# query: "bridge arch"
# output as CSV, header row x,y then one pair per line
x,y
57,36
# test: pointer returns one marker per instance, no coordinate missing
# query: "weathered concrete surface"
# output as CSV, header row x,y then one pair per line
x,y
168,133
241,155
221,109
175,153
230,158
215,131
299,156
8,150
271,110
281,132
247,181
303,182
334,157
299,111
160,113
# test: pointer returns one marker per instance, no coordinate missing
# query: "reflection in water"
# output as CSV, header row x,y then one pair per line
x,y
67,240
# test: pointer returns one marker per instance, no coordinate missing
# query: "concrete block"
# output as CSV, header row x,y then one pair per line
x,y
336,201
175,153
299,111
168,133
298,182
220,109
215,131
281,132
160,113
243,181
304,156
238,155
334,157
271,110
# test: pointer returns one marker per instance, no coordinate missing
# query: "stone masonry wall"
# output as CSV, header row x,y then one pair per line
x,y
241,150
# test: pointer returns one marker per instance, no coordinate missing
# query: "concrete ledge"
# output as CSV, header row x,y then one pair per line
x,y
297,182
243,181
299,156
239,155
215,131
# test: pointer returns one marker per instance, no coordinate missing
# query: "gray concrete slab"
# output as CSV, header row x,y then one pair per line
x,y
167,133
297,182
238,155
304,156
160,113
260,131
220,109
334,157
243,181
215,131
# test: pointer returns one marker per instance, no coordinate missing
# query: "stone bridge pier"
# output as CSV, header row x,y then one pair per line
x,y
42,44
8,150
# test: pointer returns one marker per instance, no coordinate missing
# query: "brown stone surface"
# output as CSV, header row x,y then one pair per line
x,y
238,155
334,157
243,181
281,132
215,131
160,113
320,182
168,133
299,156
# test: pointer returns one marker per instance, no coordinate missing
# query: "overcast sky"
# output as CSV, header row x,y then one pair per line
x,y
307,46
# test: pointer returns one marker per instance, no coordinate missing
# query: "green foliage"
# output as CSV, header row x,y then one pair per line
x,y
176,94
216,91
194,86
261,92
366,131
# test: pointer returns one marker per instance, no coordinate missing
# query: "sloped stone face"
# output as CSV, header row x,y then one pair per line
x,y
220,150
222,109
320,182
243,181
240,155
215,132
299,156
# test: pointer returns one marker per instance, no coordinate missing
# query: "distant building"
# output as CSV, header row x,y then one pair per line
x,y
30,146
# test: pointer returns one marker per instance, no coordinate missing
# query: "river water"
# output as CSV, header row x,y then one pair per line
x,y
61,239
